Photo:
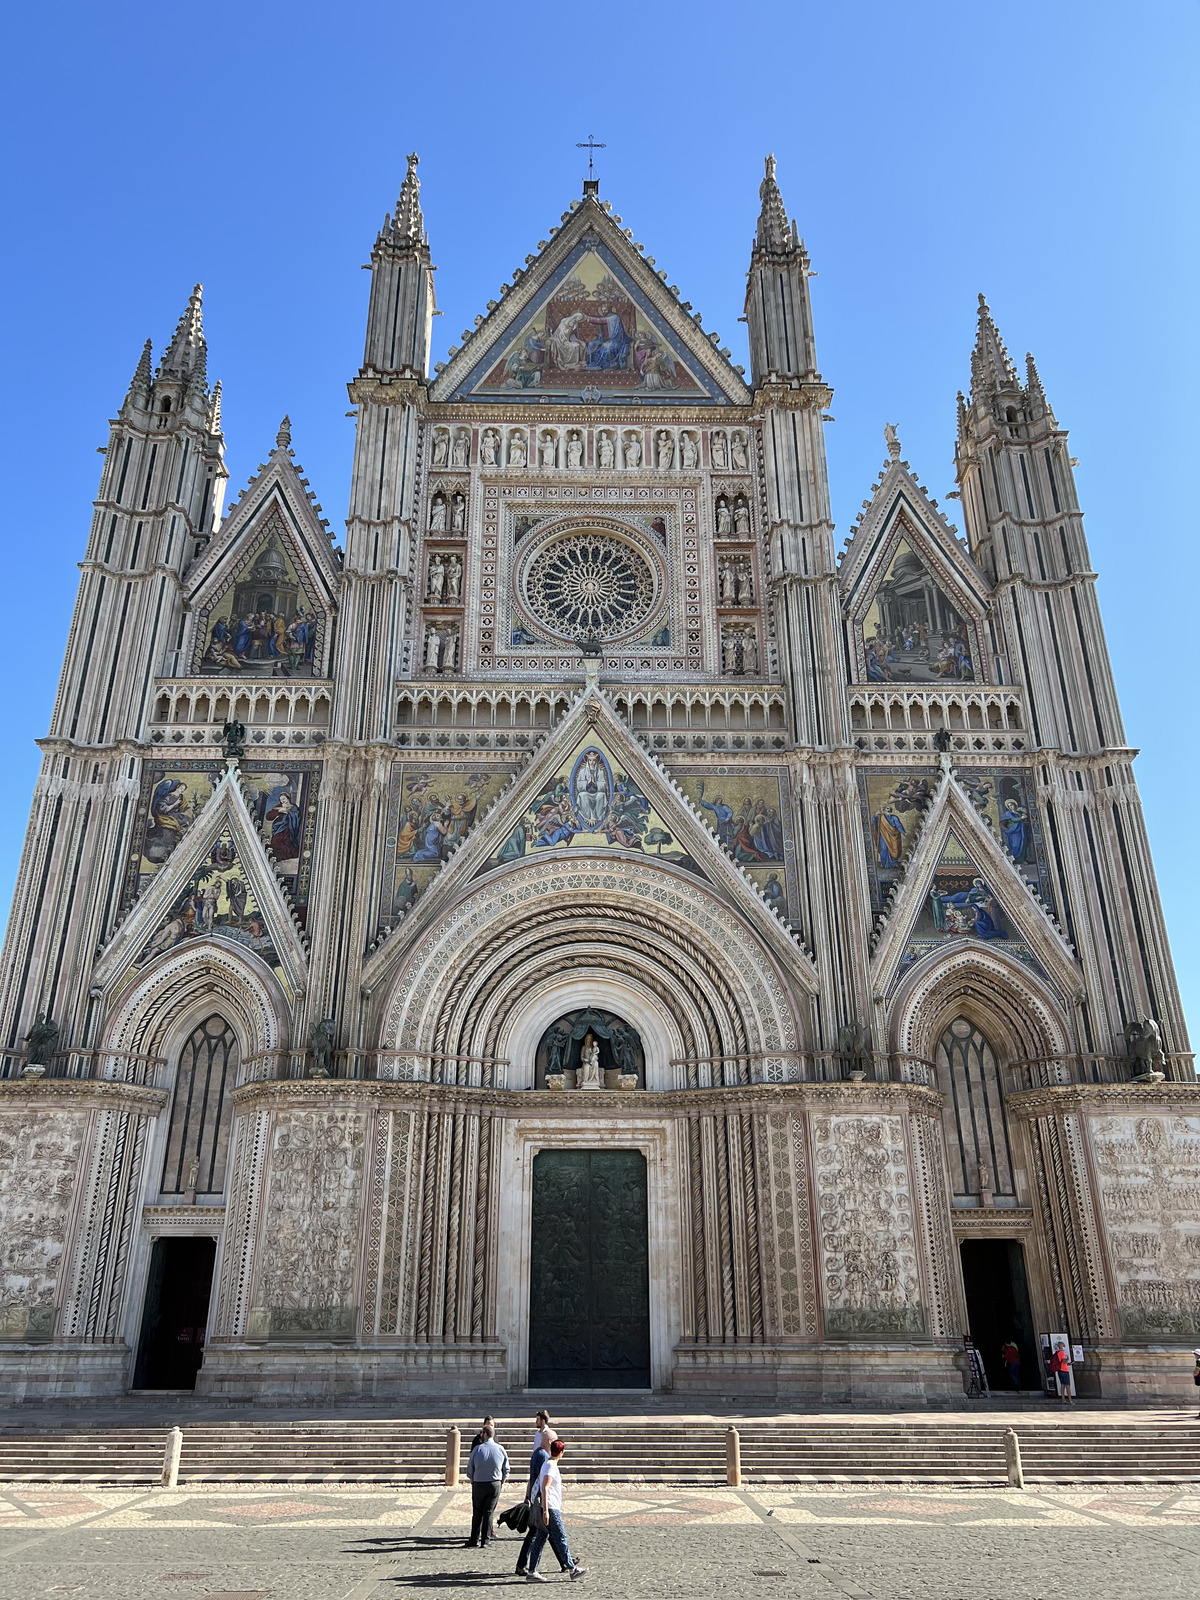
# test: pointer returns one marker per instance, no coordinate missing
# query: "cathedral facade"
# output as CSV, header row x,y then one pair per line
x,y
599,929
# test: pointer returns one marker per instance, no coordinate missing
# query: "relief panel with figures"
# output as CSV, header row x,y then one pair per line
x,y
265,621
1148,1176
868,1243
39,1152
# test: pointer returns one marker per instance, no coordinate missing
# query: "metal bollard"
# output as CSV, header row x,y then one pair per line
x,y
453,1441
1012,1459
170,1466
733,1456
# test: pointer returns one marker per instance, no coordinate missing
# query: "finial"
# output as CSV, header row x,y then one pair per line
x,y
893,440
214,410
284,437
774,231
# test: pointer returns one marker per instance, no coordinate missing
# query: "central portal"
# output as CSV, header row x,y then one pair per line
x,y
589,1279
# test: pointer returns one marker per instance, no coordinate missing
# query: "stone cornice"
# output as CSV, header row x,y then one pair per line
x,y
1069,1099
81,1094
991,1220
310,1093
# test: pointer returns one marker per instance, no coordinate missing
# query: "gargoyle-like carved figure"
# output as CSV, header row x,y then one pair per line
x,y
852,1050
1147,1059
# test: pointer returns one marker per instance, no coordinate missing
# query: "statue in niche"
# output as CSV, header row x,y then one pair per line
x,y
985,1185
1147,1058
689,456
633,449
321,1039
728,589
192,1179
574,450
489,447
737,447
664,449
719,451
548,451
605,454
42,1040
749,650
852,1049
624,1049
458,513
433,649
729,651
450,648
741,519
462,448
589,1065
558,1052
518,455
724,519
441,447
437,514
437,578
744,583
454,570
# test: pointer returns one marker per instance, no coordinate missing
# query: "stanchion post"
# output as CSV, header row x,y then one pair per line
x,y
733,1456
453,1441
171,1455
1012,1459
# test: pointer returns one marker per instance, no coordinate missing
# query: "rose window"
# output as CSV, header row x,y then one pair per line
x,y
590,584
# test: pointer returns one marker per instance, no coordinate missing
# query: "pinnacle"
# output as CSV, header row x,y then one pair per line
x,y
214,410
774,232
284,437
186,349
143,372
991,368
408,225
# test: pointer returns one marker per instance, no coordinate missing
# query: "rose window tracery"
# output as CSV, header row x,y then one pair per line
x,y
590,585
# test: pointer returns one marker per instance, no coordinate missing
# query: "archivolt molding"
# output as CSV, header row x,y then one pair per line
x,y
183,987
1008,1002
629,892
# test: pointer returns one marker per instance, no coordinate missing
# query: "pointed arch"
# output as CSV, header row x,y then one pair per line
x,y
1016,1011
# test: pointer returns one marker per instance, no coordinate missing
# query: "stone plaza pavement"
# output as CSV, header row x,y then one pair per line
x,y
306,1542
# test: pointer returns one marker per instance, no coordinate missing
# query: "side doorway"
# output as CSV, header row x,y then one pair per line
x,y
175,1315
997,1295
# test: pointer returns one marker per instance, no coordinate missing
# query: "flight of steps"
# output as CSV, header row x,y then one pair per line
x,y
613,1449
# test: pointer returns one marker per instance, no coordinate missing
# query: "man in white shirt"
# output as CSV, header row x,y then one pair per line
x,y
548,1507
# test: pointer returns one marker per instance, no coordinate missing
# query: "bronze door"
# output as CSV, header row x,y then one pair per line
x,y
589,1279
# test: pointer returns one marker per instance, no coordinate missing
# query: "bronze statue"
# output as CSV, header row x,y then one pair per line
x,y
852,1049
233,737
322,1047
1147,1059
42,1040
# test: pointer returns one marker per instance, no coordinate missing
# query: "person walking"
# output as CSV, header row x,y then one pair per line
x,y
487,1468
543,1437
1011,1358
1060,1366
1196,1372
547,1512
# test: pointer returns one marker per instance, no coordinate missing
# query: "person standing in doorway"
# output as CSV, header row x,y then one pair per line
x,y
1011,1358
547,1512
487,1469
543,1437
1060,1366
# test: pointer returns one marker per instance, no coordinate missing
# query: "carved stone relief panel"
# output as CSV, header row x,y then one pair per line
x,y
797,1303
1148,1176
312,1217
39,1154
868,1243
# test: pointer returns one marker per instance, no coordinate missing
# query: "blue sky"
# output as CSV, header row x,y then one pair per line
x,y
1045,156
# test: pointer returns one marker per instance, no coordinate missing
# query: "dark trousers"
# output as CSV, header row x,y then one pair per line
x,y
484,1499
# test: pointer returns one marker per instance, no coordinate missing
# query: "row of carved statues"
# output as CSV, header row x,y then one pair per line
x,y
443,577
735,579
739,650
614,448
440,649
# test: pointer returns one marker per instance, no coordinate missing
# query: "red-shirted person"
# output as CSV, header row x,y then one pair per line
x,y
1060,1367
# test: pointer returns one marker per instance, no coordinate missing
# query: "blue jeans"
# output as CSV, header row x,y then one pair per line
x,y
557,1536
537,1461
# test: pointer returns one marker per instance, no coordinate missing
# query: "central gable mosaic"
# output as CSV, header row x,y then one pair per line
x,y
592,333
265,621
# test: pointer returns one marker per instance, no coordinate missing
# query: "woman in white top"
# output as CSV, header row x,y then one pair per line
x,y
550,1492
542,1440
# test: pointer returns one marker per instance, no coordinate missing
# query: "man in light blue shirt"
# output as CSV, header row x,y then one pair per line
x,y
487,1469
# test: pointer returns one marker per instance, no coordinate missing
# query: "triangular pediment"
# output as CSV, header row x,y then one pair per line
x,y
915,602
219,884
961,886
590,320
262,594
592,789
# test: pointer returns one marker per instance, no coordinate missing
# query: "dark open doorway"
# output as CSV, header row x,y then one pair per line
x,y
998,1308
171,1347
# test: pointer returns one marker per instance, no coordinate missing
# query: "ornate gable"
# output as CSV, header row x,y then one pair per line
x,y
590,320
262,595
915,602
219,884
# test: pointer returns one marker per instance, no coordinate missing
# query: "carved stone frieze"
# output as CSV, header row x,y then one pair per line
x,y
39,1158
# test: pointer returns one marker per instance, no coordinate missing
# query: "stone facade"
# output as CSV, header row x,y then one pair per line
x,y
589,738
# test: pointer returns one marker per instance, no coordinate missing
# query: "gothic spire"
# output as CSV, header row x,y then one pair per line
x,y
214,409
187,348
408,225
139,388
991,369
774,232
